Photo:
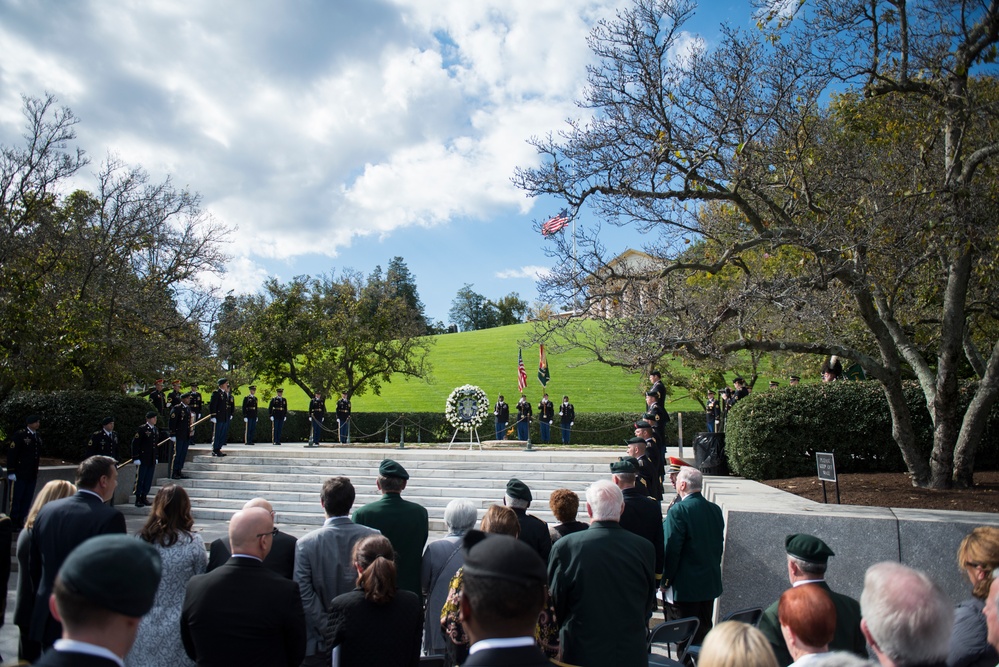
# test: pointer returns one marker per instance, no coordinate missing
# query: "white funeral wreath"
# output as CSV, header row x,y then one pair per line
x,y
466,407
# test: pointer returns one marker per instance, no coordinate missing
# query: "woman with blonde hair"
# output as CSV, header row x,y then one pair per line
x,y
377,623
977,557
25,601
182,552
736,644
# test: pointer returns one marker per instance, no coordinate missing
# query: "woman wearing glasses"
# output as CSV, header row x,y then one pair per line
x,y
977,557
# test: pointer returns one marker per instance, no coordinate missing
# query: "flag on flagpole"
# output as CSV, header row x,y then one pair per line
x,y
543,376
521,372
553,225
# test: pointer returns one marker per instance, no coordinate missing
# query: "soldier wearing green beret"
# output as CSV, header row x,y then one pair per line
x,y
642,515
404,523
807,559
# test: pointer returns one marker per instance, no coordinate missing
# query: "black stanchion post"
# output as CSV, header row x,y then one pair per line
x,y
402,432
386,430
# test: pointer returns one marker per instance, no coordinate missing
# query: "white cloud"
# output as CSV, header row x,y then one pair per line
x,y
535,272
243,276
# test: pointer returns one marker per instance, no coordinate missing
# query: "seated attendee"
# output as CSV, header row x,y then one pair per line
x,y
564,504
503,593
735,644
360,619
807,620
99,613
977,557
905,616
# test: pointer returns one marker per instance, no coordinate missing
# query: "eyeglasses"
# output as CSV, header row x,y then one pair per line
x,y
977,566
272,533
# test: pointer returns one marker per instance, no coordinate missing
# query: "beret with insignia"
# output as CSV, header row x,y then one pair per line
x,y
389,468
517,489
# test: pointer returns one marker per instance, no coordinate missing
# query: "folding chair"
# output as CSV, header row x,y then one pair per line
x,y
678,633
751,616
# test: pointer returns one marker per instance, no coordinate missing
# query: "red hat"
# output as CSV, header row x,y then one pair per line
x,y
675,464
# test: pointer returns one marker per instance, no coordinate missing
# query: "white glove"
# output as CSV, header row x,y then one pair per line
x,y
173,438
213,420
246,420
572,423
12,478
272,418
559,413
137,462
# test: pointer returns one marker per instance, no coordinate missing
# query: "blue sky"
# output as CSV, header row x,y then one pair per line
x,y
332,134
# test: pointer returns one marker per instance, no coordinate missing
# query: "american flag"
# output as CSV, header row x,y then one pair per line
x,y
521,372
554,224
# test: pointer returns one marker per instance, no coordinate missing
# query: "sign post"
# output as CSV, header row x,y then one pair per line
x,y
826,464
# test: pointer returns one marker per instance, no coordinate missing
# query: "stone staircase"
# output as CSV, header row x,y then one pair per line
x,y
291,477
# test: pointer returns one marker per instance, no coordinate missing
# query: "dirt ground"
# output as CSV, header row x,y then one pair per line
x,y
895,490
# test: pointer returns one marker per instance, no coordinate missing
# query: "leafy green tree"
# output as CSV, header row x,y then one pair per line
x,y
510,309
471,311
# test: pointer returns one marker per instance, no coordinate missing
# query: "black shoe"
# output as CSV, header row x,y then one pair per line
x,y
219,454
277,444
179,475
138,503
146,502
250,444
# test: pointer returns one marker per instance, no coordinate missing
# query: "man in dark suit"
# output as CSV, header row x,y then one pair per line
x,y
602,582
100,616
405,524
242,613
807,560
502,593
324,567
695,535
642,515
533,531
61,526
280,558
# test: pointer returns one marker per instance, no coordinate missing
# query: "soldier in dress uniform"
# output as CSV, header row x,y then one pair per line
x,y
524,414
144,457
501,411
654,453
23,458
317,413
158,398
711,409
175,394
648,473
180,434
222,406
104,441
567,412
658,389
546,415
741,389
658,417
278,410
343,418
642,515
250,415
196,405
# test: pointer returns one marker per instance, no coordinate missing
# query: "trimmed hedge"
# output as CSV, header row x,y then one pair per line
x,y
775,434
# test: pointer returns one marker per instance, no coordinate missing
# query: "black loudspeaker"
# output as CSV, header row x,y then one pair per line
x,y
709,453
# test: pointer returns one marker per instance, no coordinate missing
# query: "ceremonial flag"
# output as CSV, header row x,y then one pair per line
x,y
543,376
521,373
554,224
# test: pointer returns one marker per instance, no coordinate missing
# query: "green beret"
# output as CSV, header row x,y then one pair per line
x,y
116,572
635,441
151,414
107,420
502,557
389,468
517,489
625,465
643,424
31,419
807,548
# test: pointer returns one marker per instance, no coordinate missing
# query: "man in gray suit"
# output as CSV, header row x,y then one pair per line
x,y
323,565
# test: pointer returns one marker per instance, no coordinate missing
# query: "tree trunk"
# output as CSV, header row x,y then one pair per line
x,y
975,419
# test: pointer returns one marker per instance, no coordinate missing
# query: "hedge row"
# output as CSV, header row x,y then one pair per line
x,y
775,434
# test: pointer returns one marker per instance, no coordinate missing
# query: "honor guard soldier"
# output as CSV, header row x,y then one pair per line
x,y
658,417
648,473
343,417
658,389
180,434
711,412
222,406
524,414
546,415
23,457
103,442
642,515
317,413
741,389
196,405
250,415
278,410
568,414
158,398
175,394
144,457
502,413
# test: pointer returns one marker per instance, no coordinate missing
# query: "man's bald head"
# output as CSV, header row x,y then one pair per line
x,y
249,532
259,502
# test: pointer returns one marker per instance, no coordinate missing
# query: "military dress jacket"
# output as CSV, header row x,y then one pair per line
x,y
524,411
180,420
847,636
317,408
568,413
278,407
546,412
502,412
343,409
102,443
643,516
602,583
250,407
222,405
144,444
406,526
24,454
695,535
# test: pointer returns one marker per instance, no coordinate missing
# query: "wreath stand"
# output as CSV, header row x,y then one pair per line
x,y
471,444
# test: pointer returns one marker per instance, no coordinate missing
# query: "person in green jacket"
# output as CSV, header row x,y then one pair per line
x,y
807,560
694,531
405,524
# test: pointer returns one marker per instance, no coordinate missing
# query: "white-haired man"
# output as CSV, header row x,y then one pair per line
x,y
602,581
695,535
906,617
